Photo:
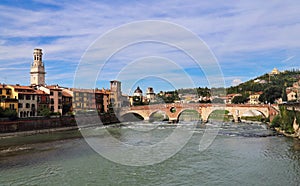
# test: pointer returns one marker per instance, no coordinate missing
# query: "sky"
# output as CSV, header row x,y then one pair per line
x,y
245,39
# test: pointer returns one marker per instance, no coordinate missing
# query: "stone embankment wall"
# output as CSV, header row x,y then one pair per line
x,y
39,123
35,124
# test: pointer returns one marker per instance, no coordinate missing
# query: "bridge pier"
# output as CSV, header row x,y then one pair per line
x,y
236,119
173,120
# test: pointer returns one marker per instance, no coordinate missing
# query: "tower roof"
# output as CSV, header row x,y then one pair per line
x,y
138,90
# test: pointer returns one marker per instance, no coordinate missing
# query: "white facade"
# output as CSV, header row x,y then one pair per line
x,y
37,71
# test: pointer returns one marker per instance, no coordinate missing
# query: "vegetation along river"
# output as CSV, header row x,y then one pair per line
x,y
241,154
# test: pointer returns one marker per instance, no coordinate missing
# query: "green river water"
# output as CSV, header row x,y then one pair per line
x,y
241,154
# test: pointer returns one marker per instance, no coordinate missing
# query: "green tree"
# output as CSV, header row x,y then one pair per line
x,y
8,113
284,96
44,111
66,108
271,94
239,99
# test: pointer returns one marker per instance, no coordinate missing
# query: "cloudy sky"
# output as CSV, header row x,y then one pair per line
x,y
247,39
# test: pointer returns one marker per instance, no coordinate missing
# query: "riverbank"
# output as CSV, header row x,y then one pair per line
x,y
37,125
293,135
34,132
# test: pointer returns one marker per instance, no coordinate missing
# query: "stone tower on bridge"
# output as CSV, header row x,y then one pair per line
x,y
37,71
115,93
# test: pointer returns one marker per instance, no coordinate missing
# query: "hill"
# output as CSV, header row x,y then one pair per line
x,y
261,83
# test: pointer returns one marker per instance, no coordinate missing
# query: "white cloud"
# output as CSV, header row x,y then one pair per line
x,y
236,82
233,30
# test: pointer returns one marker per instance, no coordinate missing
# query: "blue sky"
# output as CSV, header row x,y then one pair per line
x,y
248,38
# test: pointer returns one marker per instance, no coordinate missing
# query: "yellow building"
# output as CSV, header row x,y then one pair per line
x,y
27,100
275,71
7,99
254,98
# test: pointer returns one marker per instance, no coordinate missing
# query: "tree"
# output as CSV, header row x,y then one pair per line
x,y
218,100
66,108
284,96
271,94
8,113
44,111
239,99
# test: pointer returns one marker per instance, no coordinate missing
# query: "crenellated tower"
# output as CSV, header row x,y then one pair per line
x,y
37,71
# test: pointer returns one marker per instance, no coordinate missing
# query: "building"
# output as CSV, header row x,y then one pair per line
x,y
275,71
291,96
102,100
293,92
43,101
230,97
67,103
116,98
7,100
254,98
27,100
150,95
37,71
90,100
55,96
137,98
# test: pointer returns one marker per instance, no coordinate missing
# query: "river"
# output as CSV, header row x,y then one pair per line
x,y
241,154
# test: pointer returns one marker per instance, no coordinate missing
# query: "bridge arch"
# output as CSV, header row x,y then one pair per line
x,y
133,116
220,114
259,112
158,115
190,116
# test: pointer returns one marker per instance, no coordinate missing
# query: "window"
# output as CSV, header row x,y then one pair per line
x,y
59,107
33,97
12,106
59,94
59,101
52,108
28,97
7,91
0,91
27,105
20,105
21,96
52,101
51,93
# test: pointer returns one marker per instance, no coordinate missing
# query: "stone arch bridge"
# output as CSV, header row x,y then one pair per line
x,y
174,110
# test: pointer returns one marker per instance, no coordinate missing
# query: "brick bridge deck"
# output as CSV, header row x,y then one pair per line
x,y
174,110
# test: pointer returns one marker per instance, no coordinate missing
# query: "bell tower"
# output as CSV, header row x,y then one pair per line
x,y
37,71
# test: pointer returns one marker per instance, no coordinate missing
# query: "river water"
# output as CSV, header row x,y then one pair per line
x,y
241,154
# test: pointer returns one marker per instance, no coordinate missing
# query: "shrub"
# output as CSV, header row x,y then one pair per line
x,y
276,122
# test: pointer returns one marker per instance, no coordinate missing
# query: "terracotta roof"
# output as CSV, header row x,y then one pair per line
x,y
27,93
22,87
84,90
40,92
233,95
102,91
66,94
257,93
53,87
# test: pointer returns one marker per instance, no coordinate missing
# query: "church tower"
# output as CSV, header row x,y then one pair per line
x,y
37,71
